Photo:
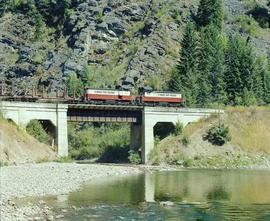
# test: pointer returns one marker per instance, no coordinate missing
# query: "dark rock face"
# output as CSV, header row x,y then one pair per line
x,y
117,43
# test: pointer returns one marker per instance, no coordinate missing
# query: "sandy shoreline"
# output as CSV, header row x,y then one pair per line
x,y
31,180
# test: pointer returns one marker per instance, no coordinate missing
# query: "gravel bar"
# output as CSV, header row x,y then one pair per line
x,y
31,180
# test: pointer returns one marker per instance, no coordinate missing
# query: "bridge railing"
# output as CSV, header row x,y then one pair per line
x,y
34,92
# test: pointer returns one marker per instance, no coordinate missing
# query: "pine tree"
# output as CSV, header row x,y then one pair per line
x,y
248,98
203,96
234,84
210,12
3,6
265,74
184,79
212,66
241,72
218,92
74,85
261,70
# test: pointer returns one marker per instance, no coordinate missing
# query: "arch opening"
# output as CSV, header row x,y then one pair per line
x,y
11,121
163,129
42,130
99,142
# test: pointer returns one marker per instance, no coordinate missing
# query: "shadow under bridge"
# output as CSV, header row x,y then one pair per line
x,y
89,113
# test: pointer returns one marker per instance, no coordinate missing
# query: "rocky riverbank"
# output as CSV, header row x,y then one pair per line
x,y
32,180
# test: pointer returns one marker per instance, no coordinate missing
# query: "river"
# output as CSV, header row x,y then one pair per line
x,y
195,195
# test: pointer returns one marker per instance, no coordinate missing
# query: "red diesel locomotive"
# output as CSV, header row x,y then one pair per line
x,y
147,98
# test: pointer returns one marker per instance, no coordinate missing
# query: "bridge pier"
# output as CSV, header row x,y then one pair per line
x,y
136,136
147,137
62,134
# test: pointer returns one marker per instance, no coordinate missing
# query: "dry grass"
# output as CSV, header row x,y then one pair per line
x,y
190,129
17,146
249,128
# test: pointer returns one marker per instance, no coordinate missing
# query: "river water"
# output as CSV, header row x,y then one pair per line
x,y
195,195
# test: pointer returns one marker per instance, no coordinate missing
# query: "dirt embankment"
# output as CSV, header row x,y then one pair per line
x,y
16,146
249,146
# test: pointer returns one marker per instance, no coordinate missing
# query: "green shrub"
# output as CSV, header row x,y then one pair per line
x,y
134,157
35,129
178,129
218,135
249,98
84,154
250,4
39,26
1,115
155,82
176,15
114,154
156,140
64,160
188,163
74,85
3,163
247,25
186,140
12,58
42,160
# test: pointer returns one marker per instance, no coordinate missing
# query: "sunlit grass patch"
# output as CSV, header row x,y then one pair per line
x,y
249,128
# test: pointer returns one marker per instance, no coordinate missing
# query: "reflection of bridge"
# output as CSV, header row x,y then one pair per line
x,y
142,119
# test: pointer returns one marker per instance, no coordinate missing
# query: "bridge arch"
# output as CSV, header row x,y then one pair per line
x,y
49,127
163,129
23,112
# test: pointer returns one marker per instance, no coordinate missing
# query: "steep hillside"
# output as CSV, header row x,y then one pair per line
x,y
249,145
17,146
113,42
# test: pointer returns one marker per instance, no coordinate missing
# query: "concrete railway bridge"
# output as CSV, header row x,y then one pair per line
x,y
142,119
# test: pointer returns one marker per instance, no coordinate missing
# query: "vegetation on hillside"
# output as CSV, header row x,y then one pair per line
x,y
49,12
246,145
215,68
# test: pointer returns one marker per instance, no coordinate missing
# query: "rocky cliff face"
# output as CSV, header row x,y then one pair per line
x,y
117,43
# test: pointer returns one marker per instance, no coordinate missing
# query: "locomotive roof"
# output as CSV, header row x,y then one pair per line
x,y
104,89
171,92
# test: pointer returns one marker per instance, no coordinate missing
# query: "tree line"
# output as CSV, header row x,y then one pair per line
x,y
219,69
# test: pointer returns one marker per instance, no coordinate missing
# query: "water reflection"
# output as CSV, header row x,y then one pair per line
x,y
203,185
204,195
179,186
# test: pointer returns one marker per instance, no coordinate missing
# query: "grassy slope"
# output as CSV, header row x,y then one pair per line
x,y
249,146
250,128
17,146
